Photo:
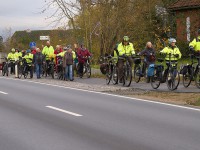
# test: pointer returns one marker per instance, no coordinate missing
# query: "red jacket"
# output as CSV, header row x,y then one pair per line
x,y
33,51
81,54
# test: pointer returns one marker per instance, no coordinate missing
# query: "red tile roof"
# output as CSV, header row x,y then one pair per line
x,y
185,4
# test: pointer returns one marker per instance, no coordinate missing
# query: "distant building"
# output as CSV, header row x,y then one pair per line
x,y
187,14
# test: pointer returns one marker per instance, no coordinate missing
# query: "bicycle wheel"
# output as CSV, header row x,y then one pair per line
x,y
156,79
128,76
187,78
4,70
197,79
88,71
108,74
52,72
137,71
25,72
20,72
114,75
173,79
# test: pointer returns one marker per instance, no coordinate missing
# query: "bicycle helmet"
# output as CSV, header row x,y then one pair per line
x,y
12,50
28,51
172,40
125,38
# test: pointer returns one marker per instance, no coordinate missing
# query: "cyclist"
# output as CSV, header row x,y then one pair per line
x,y
29,60
48,51
172,50
124,48
149,54
194,46
56,52
12,57
38,60
83,54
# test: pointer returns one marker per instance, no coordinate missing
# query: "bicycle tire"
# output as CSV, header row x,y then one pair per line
x,y
187,78
156,80
3,71
171,80
88,71
52,72
108,74
127,76
115,75
137,71
20,72
197,79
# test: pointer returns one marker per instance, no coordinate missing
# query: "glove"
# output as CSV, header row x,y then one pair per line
x,y
176,55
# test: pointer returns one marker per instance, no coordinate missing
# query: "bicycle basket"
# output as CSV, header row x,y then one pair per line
x,y
184,69
160,68
104,68
137,60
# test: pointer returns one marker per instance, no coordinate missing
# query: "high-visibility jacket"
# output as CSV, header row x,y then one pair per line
x,y
29,58
48,52
12,56
126,49
195,44
167,50
63,53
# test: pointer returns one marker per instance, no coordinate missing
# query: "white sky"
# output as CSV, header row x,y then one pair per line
x,y
23,15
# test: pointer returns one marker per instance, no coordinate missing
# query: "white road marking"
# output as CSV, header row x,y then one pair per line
x,y
136,99
1,92
64,111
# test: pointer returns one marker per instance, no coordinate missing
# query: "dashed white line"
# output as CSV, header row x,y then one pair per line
x,y
64,111
1,92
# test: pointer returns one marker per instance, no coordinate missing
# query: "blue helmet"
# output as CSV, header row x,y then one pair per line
x,y
28,50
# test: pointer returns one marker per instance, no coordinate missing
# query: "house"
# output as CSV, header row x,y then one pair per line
x,y
187,14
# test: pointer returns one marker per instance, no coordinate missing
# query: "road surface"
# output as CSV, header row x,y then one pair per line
x,y
36,116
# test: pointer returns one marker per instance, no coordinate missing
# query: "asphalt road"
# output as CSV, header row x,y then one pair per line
x,y
36,116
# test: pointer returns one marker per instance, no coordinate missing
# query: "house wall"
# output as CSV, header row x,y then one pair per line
x,y
194,17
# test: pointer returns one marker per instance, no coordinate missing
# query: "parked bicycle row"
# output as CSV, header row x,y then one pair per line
x,y
125,65
61,63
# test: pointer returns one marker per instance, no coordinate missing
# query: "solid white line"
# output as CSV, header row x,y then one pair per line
x,y
1,92
136,99
64,111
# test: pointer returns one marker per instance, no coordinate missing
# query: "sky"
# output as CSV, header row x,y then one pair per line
x,y
23,15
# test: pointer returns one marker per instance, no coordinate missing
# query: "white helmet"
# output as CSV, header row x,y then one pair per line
x,y
172,40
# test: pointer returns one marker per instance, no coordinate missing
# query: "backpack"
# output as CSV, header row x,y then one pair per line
x,y
69,58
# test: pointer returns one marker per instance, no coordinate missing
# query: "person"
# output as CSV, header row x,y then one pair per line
x,y
33,50
29,60
68,60
56,52
171,51
83,55
194,46
125,48
38,60
75,68
149,58
12,56
48,51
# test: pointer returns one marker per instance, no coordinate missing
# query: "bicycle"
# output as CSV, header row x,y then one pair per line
x,y
140,69
48,68
158,76
127,71
173,76
86,68
24,69
5,67
190,72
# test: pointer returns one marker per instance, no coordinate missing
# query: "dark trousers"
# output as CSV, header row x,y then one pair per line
x,y
80,70
30,68
120,64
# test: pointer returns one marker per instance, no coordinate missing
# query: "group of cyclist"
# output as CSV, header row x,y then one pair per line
x,y
36,58
171,52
